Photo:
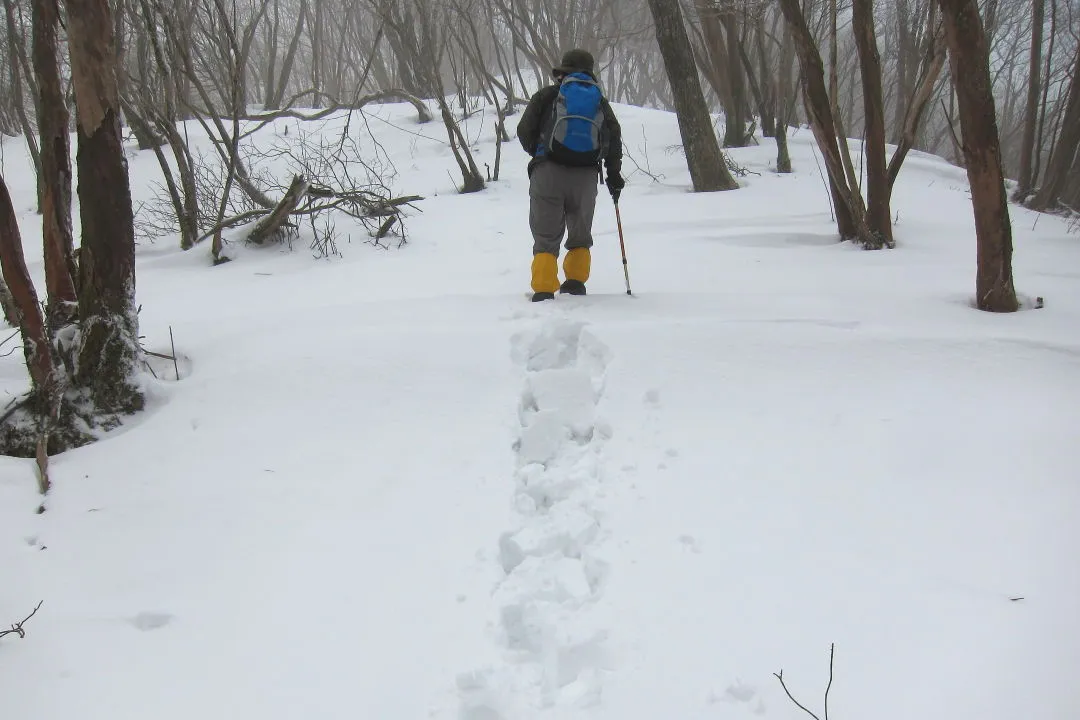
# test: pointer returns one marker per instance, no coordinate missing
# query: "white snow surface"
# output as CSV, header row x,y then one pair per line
x,y
388,486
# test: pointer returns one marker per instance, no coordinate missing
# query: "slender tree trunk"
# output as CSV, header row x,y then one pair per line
x,y
272,53
850,213
39,358
704,158
109,348
769,89
783,158
47,380
1025,181
969,63
59,252
1065,150
878,214
932,65
15,78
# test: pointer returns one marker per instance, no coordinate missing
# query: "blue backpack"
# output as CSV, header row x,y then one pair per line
x,y
576,133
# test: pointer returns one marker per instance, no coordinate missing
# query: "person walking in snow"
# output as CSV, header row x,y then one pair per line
x,y
570,132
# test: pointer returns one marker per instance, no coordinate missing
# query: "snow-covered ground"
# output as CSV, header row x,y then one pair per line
x,y
387,486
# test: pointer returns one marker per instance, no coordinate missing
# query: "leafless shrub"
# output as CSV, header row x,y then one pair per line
x,y
339,181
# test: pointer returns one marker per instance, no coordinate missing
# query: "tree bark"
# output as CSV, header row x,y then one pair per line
x,y
783,157
40,360
850,213
15,76
933,64
878,213
969,63
1065,150
31,323
59,252
7,304
735,122
708,171
1025,180
109,348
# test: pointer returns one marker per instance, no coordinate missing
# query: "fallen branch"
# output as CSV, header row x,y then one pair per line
x,y
265,118
270,224
17,628
780,676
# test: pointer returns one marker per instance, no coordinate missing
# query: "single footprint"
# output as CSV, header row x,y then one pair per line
x,y
147,621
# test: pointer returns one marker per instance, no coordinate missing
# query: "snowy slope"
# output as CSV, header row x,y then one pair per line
x,y
387,486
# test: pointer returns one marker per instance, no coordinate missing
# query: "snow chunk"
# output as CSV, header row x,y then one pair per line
x,y
568,392
543,437
566,531
553,579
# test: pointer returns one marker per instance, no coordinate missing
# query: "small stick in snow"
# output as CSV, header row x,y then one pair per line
x,y
780,676
172,342
17,628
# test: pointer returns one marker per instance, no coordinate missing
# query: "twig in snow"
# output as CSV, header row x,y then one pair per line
x,y
172,342
17,628
780,676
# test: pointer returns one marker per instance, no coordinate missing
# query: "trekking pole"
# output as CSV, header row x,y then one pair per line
x,y
622,248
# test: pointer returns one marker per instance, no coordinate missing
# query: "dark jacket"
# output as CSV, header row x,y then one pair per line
x,y
537,111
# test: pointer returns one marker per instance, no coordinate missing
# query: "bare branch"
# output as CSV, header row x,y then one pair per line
x,y
780,676
17,628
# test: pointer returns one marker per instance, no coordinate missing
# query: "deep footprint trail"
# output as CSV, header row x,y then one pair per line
x,y
552,564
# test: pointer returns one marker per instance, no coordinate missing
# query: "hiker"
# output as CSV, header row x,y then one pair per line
x,y
568,129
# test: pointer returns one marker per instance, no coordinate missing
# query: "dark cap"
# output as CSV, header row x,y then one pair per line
x,y
576,60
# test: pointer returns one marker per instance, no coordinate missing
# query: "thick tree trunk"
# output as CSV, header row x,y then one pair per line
x,y
878,214
59,252
1025,179
704,158
109,347
735,124
969,62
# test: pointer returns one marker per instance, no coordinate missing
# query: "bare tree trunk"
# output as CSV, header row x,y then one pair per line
x,y
271,60
735,125
1065,150
1025,180
878,214
40,361
769,89
59,249
287,63
704,158
109,347
15,62
969,63
783,158
850,213
7,304
932,65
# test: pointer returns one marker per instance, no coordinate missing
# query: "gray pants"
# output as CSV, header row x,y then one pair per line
x,y
561,199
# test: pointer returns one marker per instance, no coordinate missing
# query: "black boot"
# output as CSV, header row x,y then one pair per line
x,y
572,287
540,296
